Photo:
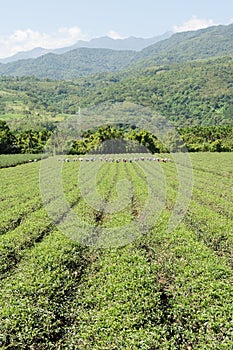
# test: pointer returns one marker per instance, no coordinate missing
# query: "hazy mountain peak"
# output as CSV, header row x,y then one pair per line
x,y
104,42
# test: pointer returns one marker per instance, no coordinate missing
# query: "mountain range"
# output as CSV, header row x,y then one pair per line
x,y
213,41
186,78
131,43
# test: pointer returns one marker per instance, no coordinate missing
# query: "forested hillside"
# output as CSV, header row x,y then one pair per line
x,y
190,93
214,41
75,63
210,42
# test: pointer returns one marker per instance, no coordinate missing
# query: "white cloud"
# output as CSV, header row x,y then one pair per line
x,y
114,35
23,40
194,23
230,21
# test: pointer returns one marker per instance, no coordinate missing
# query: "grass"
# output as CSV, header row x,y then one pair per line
x,y
9,160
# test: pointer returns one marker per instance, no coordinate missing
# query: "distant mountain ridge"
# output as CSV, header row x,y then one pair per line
x,y
22,55
71,64
215,41
105,42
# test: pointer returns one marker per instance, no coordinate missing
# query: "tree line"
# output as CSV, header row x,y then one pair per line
x,y
116,139
22,141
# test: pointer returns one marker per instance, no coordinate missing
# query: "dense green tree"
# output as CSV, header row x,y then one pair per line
x,y
7,140
30,141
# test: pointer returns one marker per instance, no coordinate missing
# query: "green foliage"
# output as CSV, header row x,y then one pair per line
x,y
35,314
27,141
75,63
120,140
169,290
6,139
8,160
211,138
190,93
30,141
204,43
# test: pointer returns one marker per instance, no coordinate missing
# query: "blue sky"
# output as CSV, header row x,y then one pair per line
x,y
57,23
